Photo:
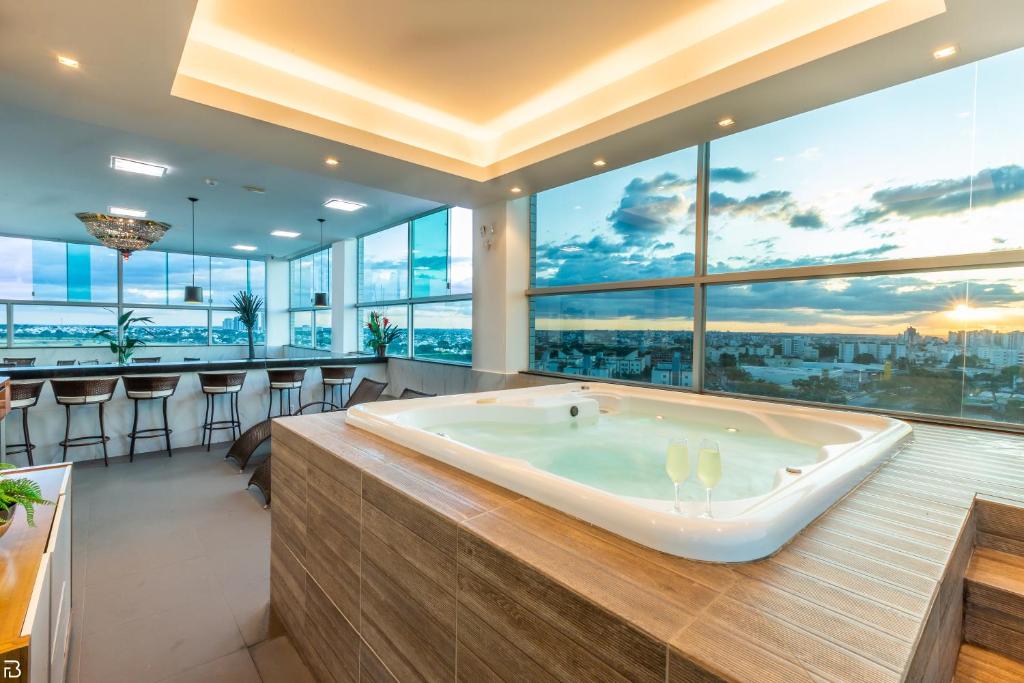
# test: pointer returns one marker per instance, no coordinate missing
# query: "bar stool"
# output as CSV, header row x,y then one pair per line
x,y
152,359
77,392
25,395
215,384
20,362
337,377
282,381
62,363
149,388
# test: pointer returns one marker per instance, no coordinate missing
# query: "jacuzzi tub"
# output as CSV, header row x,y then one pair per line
x,y
597,452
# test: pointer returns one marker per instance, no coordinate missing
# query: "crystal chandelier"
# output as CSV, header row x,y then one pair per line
x,y
121,233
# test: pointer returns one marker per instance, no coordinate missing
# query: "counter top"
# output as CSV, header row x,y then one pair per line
x,y
108,369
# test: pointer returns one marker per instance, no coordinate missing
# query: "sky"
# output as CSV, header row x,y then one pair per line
x,y
927,168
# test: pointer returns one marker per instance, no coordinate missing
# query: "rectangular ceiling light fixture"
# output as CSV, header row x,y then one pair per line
x,y
285,233
131,213
132,166
343,205
244,247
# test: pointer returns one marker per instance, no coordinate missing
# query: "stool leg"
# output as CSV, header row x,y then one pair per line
x,y
28,438
135,427
270,406
167,429
299,407
323,390
67,431
103,438
236,420
213,416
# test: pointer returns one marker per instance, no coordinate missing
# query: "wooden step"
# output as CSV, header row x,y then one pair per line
x,y
994,602
979,665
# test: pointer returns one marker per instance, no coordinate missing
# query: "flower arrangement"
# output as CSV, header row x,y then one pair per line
x,y
382,333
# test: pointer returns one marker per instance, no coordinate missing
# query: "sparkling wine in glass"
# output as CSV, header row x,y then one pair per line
x,y
709,469
677,465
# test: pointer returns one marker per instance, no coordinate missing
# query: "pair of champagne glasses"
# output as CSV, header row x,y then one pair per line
x,y
709,467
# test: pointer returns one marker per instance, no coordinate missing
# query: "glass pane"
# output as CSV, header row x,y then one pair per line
x,y
913,170
397,315
443,331
3,324
179,275
228,329
145,278
229,276
384,263
49,271
62,325
643,335
461,247
258,279
302,329
16,275
92,273
172,327
632,223
946,343
321,275
430,255
323,329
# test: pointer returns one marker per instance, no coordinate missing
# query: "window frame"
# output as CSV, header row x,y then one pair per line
x,y
701,279
119,305
295,262
410,302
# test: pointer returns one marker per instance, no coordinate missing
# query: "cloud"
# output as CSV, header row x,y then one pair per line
x,y
808,220
767,263
651,207
947,196
731,174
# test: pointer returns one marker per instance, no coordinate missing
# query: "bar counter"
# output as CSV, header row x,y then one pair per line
x,y
186,408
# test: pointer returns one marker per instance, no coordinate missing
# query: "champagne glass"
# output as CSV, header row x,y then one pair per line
x,y
709,469
677,465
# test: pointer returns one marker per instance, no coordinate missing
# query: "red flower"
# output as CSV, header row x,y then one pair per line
x,y
385,322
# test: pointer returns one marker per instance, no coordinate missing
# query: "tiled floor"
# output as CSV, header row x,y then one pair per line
x,y
172,565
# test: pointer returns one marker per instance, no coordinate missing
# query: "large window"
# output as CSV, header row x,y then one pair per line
x,y
308,275
896,216
151,283
420,273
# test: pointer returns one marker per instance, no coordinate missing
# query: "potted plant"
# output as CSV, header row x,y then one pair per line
x,y
382,333
15,491
248,306
122,344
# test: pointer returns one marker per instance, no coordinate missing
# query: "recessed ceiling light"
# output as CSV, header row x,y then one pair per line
x,y
331,161
726,122
516,190
600,163
343,205
254,189
285,233
133,166
131,213
244,247
944,52
69,62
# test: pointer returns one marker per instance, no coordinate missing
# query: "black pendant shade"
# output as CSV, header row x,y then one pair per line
x,y
193,292
320,298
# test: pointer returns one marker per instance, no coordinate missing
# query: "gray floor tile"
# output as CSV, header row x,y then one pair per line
x,y
278,662
236,667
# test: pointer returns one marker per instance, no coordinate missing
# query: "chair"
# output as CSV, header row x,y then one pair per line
x,y
367,391
412,393
89,362
192,360
336,377
76,392
62,363
216,384
243,448
20,362
261,479
149,388
281,381
151,359
25,395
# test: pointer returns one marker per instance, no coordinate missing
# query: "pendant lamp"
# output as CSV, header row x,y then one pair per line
x,y
320,298
193,292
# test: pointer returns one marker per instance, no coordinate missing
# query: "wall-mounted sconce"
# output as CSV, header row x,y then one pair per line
x,y
487,233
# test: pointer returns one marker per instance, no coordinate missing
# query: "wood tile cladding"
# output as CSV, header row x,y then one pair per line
x,y
387,564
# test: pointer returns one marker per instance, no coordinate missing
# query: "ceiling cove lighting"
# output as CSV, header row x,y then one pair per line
x,y
69,62
331,161
141,167
343,205
285,233
945,52
320,298
193,292
726,122
244,247
131,213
